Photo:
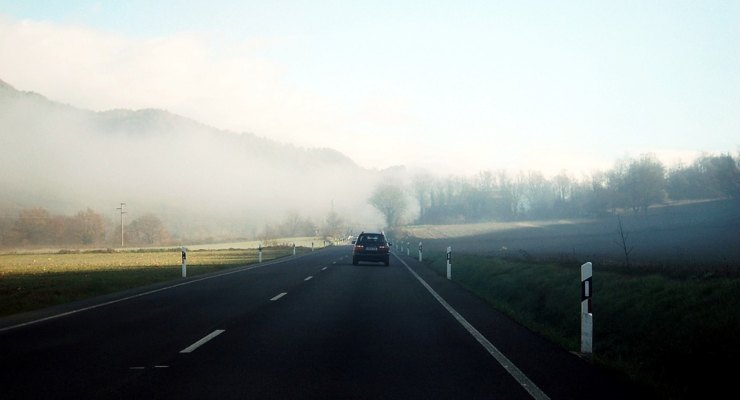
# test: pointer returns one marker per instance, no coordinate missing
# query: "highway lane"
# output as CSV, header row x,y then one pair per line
x,y
307,327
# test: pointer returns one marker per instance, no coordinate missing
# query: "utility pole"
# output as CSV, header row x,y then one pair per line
x,y
122,212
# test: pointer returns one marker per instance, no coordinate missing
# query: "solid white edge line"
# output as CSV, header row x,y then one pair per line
x,y
512,369
203,341
107,303
278,297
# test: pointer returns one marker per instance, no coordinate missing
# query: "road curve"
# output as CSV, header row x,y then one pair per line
x,y
312,326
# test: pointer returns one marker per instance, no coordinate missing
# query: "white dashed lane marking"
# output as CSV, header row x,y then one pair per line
x,y
278,297
203,341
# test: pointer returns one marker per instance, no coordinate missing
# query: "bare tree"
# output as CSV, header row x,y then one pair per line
x,y
33,226
645,182
623,242
86,227
389,199
333,225
295,225
147,230
423,185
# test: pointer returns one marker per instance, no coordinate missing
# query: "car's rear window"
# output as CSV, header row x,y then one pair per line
x,y
367,239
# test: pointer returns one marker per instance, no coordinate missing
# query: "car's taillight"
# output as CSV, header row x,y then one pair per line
x,y
383,248
359,248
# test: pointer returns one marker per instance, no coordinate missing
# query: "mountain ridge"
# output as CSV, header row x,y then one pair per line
x,y
123,120
66,158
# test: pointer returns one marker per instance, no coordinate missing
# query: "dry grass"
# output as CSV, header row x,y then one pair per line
x,y
33,281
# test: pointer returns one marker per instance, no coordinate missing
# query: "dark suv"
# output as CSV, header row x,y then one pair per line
x,y
371,247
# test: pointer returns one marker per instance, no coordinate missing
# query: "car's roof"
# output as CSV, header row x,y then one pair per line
x,y
371,234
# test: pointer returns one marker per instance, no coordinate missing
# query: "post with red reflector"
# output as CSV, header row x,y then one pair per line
x,y
419,251
449,262
587,316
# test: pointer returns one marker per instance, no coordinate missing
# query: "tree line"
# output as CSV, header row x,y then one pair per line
x,y
333,226
38,227
632,184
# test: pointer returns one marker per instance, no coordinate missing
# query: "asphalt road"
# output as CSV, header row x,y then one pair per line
x,y
313,326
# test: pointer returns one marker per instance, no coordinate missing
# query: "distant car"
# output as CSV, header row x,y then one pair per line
x,y
371,247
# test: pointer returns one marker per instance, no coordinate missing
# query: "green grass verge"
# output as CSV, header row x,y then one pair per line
x,y
34,281
678,336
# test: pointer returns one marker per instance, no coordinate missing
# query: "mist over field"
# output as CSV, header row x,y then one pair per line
x,y
185,181
243,119
201,181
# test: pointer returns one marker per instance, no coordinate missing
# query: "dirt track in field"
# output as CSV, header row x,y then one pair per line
x,y
703,233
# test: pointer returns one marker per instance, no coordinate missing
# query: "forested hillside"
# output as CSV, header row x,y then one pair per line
x,y
199,181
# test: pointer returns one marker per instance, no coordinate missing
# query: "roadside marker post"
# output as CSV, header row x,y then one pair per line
x,y
420,251
260,256
311,246
587,316
449,262
408,248
293,248
184,261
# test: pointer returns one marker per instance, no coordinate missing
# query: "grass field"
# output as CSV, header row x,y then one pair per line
x,y
308,241
677,335
700,234
33,281
669,320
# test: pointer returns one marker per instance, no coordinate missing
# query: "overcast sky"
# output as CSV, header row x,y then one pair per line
x,y
456,86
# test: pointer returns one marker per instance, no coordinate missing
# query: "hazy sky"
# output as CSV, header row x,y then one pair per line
x,y
456,86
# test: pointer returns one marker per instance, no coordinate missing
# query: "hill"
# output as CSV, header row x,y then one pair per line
x,y
64,158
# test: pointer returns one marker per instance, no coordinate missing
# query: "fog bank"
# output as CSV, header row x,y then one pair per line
x,y
193,176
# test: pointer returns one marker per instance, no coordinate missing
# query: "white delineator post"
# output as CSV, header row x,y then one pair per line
x,y
260,251
587,316
293,248
449,262
420,251
408,248
184,261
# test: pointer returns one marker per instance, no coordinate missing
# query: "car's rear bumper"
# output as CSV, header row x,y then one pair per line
x,y
371,257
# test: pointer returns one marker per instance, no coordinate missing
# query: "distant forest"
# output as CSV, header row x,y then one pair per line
x,y
38,227
632,184
34,227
